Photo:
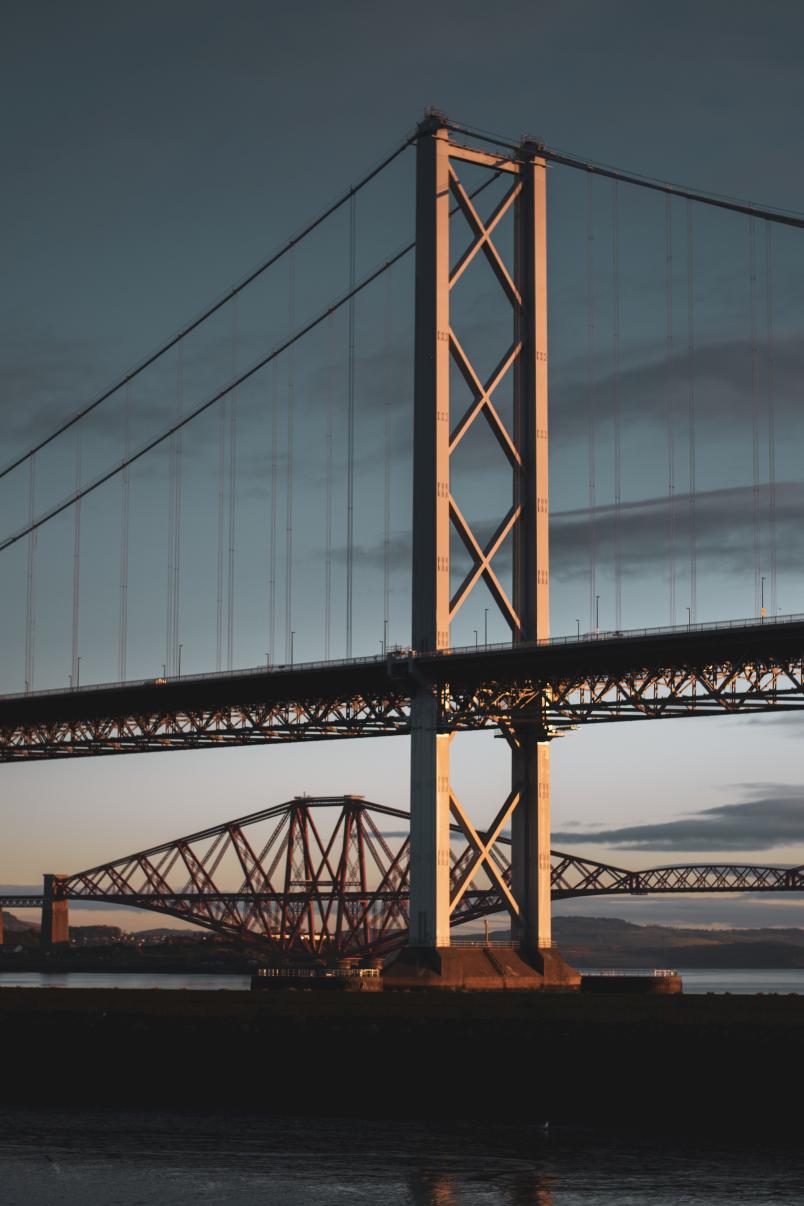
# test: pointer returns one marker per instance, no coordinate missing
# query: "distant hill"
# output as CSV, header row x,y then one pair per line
x,y
10,922
611,942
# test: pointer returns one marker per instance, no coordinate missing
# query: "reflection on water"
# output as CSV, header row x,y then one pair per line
x,y
700,980
182,1159
121,980
743,980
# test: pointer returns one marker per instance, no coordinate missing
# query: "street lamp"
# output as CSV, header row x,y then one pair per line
x,y
762,598
77,673
597,613
485,625
475,632
292,635
578,629
180,649
689,617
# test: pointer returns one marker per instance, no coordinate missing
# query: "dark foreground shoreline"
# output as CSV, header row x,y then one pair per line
x,y
563,1057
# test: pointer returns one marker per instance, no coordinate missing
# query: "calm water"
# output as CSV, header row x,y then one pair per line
x,y
132,1159
698,981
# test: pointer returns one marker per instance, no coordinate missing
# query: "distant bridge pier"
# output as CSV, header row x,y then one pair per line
x,y
55,913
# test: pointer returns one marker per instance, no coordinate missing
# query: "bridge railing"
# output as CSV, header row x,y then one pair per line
x,y
403,651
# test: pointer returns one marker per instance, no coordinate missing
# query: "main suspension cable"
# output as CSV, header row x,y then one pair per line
x,y
226,390
214,307
565,159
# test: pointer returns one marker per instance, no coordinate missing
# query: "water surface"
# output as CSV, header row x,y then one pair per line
x,y
698,980
133,1159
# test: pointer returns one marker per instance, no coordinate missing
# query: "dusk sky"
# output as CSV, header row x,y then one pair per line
x,y
153,154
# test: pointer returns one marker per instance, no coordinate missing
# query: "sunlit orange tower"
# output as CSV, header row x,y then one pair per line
x,y
437,432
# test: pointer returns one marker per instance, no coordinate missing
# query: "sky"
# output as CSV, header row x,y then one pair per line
x,y
154,154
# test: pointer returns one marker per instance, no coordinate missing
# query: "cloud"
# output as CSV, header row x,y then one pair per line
x,y
723,536
771,817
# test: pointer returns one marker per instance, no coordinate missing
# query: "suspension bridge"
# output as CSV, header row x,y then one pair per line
x,y
478,549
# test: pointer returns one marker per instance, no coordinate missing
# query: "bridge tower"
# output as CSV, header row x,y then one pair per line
x,y
437,432
55,913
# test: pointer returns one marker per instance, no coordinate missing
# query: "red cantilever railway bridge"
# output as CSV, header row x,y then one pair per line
x,y
325,878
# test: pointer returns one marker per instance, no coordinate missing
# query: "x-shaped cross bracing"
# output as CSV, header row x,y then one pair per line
x,y
482,403
482,847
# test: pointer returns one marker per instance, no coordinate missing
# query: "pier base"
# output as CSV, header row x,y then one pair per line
x,y
481,968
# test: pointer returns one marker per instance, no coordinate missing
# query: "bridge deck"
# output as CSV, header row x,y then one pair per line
x,y
740,667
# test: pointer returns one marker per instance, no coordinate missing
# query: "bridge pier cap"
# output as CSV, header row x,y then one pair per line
x,y
436,513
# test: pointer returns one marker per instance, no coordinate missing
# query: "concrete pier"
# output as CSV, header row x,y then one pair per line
x,y
55,914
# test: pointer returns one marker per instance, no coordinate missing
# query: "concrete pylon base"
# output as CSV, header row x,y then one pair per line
x,y
481,968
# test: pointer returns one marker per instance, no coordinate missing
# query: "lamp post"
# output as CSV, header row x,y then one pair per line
x,y
485,625
292,635
77,673
475,632
689,617
180,649
762,598
578,629
597,613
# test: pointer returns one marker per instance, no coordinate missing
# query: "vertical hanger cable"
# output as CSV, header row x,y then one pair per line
x,y
328,492
75,660
693,538
670,408
350,434
230,602
752,281
591,401
618,553
769,340
30,602
289,472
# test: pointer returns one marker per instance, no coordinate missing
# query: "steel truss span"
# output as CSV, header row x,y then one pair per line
x,y
750,667
328,879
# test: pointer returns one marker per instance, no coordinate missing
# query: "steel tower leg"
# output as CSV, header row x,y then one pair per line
x,y
429,805
530,750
